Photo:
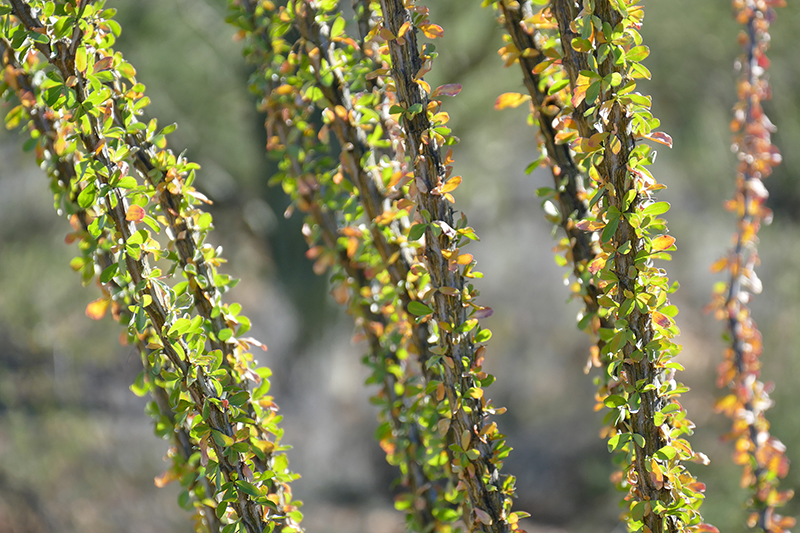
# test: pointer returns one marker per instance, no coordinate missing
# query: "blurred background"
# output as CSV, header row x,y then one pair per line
x,y
77,453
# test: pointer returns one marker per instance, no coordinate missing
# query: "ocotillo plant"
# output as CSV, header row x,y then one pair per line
x,y
761,455
363,150
124,179
584,95
364,121
370,262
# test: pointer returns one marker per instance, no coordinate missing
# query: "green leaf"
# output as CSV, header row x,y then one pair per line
x,y
109,272
87,196
417,231
139,386
557,86
483,335
419,309
247,488
615,400
637,53
666,453
221,439
415,109
338,27
658,208
609,230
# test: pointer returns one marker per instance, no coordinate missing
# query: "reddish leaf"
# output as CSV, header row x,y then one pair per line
x,y
451,89
483,312
483,517
596,265
103,64
659,137
661,319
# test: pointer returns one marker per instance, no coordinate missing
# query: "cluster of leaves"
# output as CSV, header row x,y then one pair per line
x,y
580,62
142,235
761,454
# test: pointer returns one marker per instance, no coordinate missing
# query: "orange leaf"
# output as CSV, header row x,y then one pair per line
x,y
706,528
663,242
507,100
597,264
97,309
424,84
135,213
165,478
403,29
464,259
590,225
431,31
719,265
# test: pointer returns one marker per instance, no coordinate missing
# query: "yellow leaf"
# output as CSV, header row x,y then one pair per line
x,y
663,242
590,225
450,185
512,100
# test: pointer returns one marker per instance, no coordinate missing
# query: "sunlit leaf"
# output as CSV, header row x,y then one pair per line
x,y
511,100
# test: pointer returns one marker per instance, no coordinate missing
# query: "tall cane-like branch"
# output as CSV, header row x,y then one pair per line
x,y
95,248
364,245
235,430
761,454
645,420
541,75
478,449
